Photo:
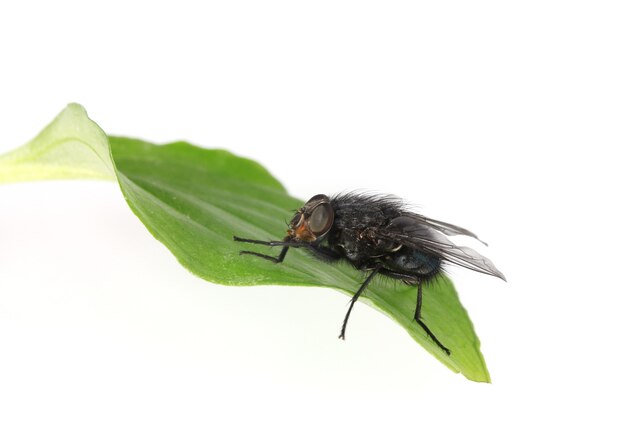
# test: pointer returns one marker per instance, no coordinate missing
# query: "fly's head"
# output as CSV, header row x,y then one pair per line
x,y
313,220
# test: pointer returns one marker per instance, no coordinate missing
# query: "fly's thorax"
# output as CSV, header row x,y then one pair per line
x,y
357,244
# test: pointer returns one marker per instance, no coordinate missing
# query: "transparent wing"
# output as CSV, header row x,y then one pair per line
x,y
446,228
428,235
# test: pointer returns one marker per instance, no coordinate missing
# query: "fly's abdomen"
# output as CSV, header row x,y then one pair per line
x,y
409,261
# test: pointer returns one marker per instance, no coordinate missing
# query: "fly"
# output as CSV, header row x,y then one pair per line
x,y
381,236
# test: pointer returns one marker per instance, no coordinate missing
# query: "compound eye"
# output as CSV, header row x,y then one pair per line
x,y
296,220
321,219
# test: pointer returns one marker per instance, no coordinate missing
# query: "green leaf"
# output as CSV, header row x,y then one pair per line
x,y
194,200
71,147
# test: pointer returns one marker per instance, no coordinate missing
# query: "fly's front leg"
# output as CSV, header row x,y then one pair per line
x,y
275,259
286,243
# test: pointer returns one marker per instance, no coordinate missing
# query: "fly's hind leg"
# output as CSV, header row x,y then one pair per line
x,y
410,279
418,310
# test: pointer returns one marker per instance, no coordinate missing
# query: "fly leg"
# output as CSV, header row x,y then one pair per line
x,y
354,298
418,309
275,259
286,243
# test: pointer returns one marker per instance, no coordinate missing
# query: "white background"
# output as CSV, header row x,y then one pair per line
x,y
505,118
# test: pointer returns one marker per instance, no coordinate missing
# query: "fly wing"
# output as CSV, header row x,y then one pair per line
x,y
428,235
446,228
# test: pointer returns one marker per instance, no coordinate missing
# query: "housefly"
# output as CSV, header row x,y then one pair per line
x,y
381,236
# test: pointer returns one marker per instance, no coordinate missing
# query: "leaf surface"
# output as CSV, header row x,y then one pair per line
x,y
194,200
